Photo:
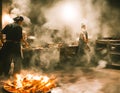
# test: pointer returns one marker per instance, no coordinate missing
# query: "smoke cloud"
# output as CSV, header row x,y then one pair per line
x,y
47,15
58,21
47,24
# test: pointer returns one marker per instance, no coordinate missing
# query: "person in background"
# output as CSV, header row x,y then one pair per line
x,y
83,42
11,49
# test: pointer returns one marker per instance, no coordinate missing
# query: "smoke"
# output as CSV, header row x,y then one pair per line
x,y
58,21
46,23
15,8
95,14
21,7
48,14
109,21
101,64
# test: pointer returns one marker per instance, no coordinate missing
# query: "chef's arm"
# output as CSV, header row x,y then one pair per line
x,y
25,43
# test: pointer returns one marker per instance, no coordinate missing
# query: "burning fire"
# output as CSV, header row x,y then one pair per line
x,y
6,19
30,84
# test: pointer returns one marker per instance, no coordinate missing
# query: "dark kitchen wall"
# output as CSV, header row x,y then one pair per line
x,y
110,18
1,15
114,3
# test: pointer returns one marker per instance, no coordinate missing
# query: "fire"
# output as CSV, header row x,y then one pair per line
x,y
6,19
30,84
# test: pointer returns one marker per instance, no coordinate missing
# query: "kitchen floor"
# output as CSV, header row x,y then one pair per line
x,y
77,79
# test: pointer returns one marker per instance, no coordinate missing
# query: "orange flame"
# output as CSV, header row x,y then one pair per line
x,y
31,84
6,19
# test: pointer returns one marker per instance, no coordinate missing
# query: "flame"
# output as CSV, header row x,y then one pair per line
x,y
18,81
31,83
6,19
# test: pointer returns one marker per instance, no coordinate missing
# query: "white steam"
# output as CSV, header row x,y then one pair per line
x,y
66,17
102,64
21,8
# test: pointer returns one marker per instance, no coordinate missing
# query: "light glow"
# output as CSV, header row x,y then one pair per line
x,y
30,84
69,12
6,19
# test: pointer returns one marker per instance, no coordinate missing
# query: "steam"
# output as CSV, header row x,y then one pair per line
x,y
101,64
49,24
48,15
45,22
